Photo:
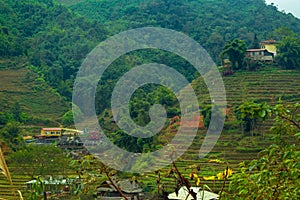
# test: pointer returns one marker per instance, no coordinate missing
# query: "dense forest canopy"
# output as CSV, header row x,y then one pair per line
x,y
210,22
52,38
49,39
55,36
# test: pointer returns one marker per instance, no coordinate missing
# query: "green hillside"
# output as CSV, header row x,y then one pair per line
x,y
34,95
269,84
210,22
43,42
234,145
49,36
55,38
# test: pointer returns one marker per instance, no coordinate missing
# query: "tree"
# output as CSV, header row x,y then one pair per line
x,y
93,172
195,179
132,144
249,112
40,160
207,115
236,52
16,111
255,43
68,117
289,51
282,32
206,112
6,117
275,174
11,134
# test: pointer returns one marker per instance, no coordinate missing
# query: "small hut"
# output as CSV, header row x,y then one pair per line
x,y
130,189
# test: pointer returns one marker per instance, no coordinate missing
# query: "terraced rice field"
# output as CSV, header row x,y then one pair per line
x,y
19,184
265,86
232,146
35,97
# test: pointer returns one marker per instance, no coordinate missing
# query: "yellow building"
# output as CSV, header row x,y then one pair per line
x,y
269,45
51,132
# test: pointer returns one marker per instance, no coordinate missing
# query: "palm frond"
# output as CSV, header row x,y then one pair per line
x,y
4,170
20,194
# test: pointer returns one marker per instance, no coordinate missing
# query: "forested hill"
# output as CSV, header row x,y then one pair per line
x,y
48,36
210,22
54,36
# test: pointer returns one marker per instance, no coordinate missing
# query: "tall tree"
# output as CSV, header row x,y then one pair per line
x,y
289,51
275,174
235,50
249,112
16,111
255,43
11,134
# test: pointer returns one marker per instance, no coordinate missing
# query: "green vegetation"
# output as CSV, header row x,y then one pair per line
x,y
26,98
288,49
249,113
40,160
211,23
44,42
54,40
235,50
48,36
233,146
11,135
275,174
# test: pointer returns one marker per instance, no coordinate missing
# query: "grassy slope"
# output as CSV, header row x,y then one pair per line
x,y
34,96
263,85
234,147
268,84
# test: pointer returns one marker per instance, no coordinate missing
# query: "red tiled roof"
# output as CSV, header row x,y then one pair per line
x,y
94,136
